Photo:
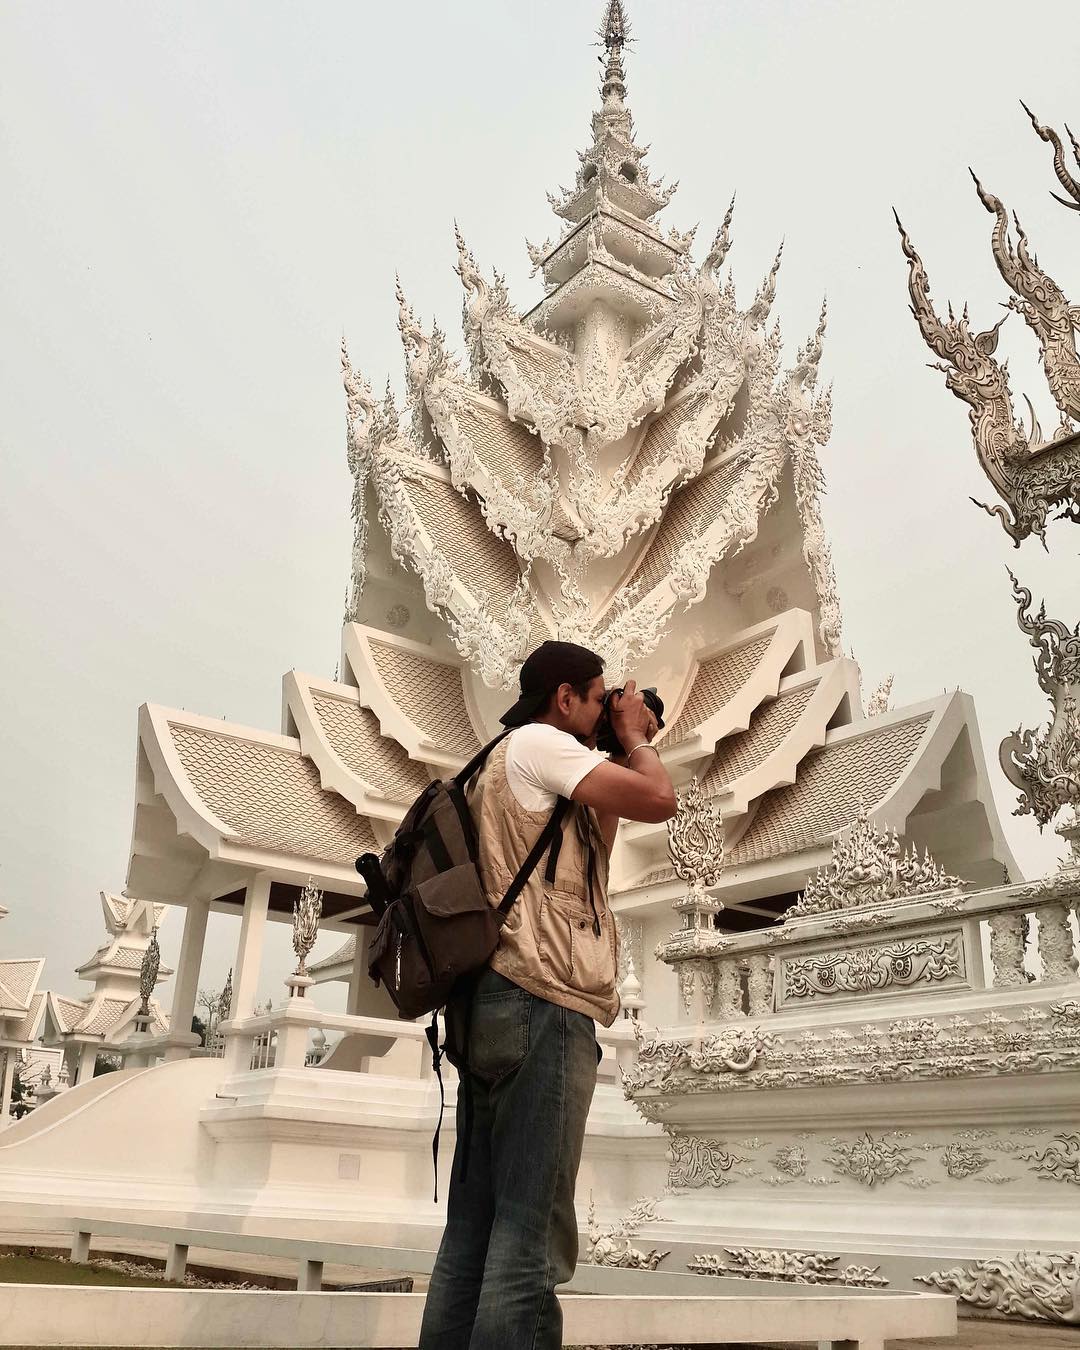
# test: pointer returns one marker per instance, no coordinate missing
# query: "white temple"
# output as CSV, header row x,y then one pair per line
x,y
629,461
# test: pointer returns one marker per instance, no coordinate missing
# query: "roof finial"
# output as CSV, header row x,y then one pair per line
x,y
615,34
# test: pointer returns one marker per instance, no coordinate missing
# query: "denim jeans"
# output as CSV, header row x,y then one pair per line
x,y
511,1230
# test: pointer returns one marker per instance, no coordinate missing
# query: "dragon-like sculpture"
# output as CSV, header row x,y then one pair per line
x,y
1037,477
1045,765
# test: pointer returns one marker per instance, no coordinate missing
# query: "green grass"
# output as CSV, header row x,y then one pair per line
x,y
40,1270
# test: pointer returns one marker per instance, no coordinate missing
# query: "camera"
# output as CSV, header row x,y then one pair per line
x,y
606,740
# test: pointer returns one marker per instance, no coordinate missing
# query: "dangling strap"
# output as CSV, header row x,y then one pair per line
x,y
465,1084
432,1034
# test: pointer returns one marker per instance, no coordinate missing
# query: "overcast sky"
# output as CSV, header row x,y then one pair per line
x,y
199,198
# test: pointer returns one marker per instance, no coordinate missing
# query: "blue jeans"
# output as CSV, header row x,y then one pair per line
x,y
511,1230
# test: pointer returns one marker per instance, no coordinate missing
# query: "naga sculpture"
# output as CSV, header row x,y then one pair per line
x,y
1036,477
1045,765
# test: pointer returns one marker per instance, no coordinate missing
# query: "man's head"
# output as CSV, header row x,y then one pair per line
x,y
562,684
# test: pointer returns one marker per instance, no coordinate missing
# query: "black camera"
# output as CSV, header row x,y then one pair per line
x,y
606,740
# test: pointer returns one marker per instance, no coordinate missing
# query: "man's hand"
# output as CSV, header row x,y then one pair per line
x,y
630,718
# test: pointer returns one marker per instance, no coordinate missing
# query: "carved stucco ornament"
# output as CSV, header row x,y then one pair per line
x,y
1036,476
611,1246
696,849
904,964
1045,765
694,1162
359,409
869,867
793,1267
905,1050
307,911
148,976
1035,1286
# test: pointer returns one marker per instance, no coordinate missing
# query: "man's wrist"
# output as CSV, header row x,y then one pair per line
x,y
642,745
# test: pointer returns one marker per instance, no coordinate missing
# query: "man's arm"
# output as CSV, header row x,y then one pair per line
x,y
637,787
609,820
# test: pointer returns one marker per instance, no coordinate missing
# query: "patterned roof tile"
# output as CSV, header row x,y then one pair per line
x,y
101,1020
270,796
354,735
430,694
71,1011
504,446
833,783
25,1030
716,683
692,508
660,435
19,979
770,726
485,563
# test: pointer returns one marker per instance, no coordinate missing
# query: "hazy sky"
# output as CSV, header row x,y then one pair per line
x,y
200,197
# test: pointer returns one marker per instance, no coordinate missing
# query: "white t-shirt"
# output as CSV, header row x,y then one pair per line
x,y
543,763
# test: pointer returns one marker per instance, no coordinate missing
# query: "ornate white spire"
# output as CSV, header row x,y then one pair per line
x,y
612,171
615,33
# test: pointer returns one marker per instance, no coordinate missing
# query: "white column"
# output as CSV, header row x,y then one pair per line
x,y
359,971
87,1060
247,966
186,988
5,1089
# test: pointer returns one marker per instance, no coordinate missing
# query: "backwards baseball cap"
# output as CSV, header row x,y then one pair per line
x,y
552,664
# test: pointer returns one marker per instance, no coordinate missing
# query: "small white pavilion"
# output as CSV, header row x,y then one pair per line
x,y
21,1013
105,1020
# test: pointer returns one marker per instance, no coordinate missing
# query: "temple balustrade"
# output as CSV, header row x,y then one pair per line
x,y
280,1038
994,943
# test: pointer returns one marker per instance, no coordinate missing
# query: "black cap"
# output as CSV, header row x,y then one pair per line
x,y
552,664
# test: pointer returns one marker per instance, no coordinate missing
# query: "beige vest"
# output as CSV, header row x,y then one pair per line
x,y
549,945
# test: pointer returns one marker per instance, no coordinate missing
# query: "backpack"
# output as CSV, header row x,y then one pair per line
x,y
436,926
437,929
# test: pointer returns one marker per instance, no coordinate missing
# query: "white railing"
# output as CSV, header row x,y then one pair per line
x,y
280,1039
953,942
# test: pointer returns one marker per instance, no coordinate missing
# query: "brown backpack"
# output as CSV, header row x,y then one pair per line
x,y
436,927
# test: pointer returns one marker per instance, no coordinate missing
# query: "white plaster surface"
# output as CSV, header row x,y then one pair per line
x,y
73,1316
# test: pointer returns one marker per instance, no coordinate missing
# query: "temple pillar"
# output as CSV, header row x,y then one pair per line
x,y
186,987
6,1084
87,1062
246,968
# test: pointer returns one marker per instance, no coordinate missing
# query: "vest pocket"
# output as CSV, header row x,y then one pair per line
x,y
570,950
554,943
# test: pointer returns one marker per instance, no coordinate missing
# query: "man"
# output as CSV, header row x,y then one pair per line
x,y
511,1230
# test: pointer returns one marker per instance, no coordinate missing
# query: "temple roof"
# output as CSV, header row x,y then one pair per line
x,y
833,784
100,1015
427,690
29,1028
783,731
353,756
18,981
729,680
118,955
337,965
691,508
236,787
123,914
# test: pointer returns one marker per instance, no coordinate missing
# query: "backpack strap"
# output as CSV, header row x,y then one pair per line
x,y
548,836
477,762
